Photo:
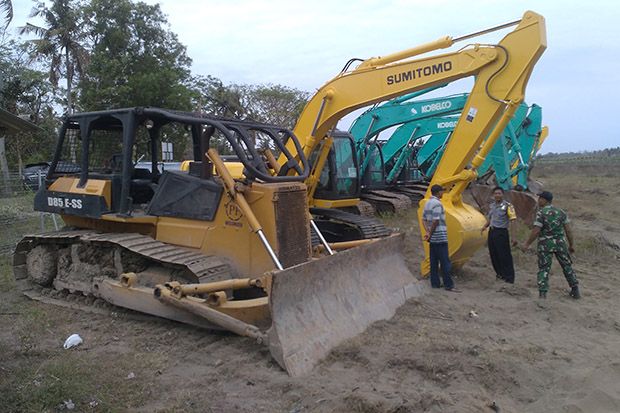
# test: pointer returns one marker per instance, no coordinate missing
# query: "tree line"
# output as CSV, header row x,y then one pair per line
x,y
599,154
106,54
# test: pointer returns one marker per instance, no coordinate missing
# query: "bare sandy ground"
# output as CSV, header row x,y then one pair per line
x,y
493,347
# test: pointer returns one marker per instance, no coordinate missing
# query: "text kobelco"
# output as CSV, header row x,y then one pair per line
x,y
446,104
447,124
419,72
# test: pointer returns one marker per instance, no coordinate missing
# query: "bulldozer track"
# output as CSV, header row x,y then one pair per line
x,y
77,300
205,268
193,264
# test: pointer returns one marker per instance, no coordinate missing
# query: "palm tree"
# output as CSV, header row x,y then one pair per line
x,y
59,44
6,10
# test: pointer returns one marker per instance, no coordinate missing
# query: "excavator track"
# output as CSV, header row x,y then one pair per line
x,y
333,222
386,201
415,192
365,209
69,265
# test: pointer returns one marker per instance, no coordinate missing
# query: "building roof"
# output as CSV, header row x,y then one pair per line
x,y
11,124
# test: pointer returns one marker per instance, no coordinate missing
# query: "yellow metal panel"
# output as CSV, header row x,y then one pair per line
x,y
105,225
335,203
185,166
229,235
235,168
98,187
62,184
135,219
180,231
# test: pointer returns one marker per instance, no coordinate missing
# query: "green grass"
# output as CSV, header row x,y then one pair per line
x,y
594,245
406,221
37,374
7,282
17,218
43,385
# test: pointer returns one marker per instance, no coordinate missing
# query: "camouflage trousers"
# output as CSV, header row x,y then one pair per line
x,y
544,266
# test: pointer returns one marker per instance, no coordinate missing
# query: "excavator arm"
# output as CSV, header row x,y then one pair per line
x,y
492,104
501,73
506,150
374,121
533,134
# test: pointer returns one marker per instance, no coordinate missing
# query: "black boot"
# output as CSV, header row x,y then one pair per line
x,y
542,294
574,292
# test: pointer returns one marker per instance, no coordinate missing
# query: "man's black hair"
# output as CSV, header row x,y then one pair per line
x,y
546,195
435,189
498,188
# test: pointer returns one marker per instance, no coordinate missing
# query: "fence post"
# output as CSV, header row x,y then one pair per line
x,y
4,166
41,214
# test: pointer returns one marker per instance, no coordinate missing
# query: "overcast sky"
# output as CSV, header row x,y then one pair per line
x,y
303,44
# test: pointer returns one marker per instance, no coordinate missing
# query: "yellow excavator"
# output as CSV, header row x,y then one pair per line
x,y
501,72
235,252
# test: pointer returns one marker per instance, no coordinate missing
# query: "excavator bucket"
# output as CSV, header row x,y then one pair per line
x,y
464,237
319,304
534,186
525,203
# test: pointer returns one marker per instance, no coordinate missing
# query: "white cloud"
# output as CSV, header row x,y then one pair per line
x,y
305,43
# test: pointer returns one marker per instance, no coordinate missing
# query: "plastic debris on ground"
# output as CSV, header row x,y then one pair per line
x,y
72,341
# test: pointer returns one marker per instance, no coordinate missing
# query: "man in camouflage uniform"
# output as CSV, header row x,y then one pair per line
x,y
550,226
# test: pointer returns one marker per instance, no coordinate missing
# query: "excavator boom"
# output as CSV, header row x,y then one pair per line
x,y
501,74
380,79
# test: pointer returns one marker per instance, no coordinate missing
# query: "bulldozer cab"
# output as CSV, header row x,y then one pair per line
x,y
110,162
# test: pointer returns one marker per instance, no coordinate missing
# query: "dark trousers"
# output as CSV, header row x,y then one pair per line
x,y
501,256
438,255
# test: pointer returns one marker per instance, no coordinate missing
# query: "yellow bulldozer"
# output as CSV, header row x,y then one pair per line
x,y
198,247
235,251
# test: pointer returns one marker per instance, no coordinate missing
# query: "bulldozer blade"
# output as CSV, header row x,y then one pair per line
x,y
525,202
319,304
